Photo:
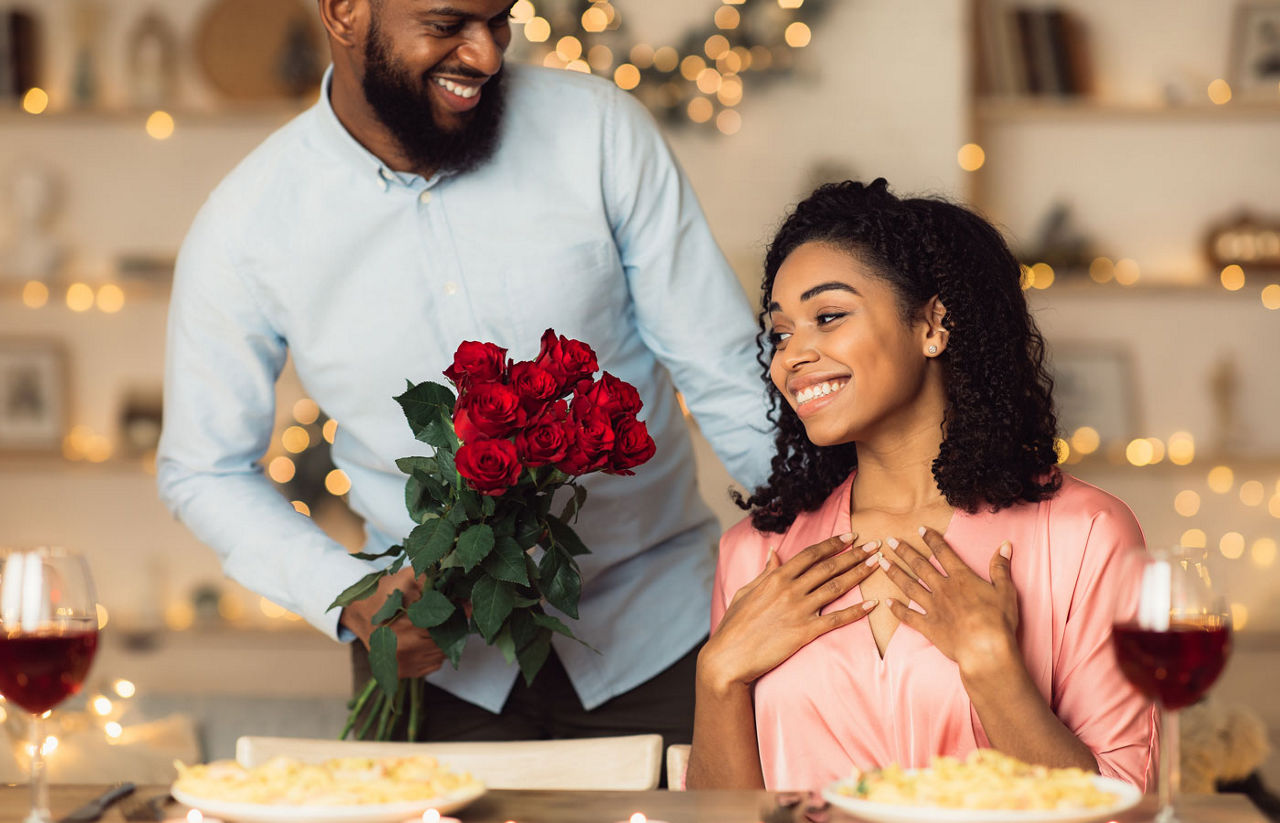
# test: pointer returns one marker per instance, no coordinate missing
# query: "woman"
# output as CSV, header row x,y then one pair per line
x,y
915,420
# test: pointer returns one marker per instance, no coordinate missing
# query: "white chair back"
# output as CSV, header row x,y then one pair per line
x,y
594,763
677,762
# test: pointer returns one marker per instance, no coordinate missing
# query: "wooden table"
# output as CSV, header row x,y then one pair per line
x,y
608,807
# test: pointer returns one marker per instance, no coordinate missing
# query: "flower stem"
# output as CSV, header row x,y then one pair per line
x,y
373,711
415,707
356,706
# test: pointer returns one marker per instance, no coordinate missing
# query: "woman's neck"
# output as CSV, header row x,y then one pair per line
x,y
895,465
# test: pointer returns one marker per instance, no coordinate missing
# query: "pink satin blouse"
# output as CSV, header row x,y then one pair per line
x,y
836,704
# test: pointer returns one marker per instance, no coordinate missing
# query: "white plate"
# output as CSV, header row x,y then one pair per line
x,y
1127,796
377,813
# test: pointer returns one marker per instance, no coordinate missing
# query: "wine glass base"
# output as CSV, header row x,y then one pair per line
x,y
38,816
1167,815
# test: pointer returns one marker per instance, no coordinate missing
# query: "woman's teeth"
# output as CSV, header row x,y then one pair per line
x,y
456,88
820,390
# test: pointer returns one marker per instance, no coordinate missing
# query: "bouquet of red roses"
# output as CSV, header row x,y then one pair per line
x,y
514,435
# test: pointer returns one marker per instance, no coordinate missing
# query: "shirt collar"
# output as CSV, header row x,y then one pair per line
x,y
334,136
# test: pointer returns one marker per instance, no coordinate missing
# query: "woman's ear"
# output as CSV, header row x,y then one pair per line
x,y
935,335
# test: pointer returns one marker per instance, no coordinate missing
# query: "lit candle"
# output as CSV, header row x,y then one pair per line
x,y
434,816
639,817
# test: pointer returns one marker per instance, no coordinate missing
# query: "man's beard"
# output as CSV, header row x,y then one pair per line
x,y
403,104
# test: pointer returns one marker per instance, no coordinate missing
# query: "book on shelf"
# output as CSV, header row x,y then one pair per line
x,y
1037,51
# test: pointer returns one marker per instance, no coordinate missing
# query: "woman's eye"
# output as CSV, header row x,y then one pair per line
x,y
776,338
829,317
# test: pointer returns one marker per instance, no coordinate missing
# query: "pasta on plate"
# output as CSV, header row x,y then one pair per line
x,y
986,779
344,781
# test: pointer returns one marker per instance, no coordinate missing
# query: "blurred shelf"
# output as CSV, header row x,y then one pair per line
x,y
11,289
1240,463
1073,284
54,462
237,114
1032,109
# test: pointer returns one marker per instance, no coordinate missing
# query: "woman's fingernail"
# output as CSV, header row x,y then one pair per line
x,y
870,561
847,537
921,530
884,564
869,604
866,547
893,542
1006,550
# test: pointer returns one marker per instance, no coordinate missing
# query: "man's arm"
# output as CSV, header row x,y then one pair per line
x,y
223,358
690,308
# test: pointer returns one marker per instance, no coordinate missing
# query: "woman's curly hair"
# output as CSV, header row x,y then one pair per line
x,y
999,425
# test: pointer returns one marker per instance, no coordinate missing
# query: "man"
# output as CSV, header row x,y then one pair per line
x,y
432,197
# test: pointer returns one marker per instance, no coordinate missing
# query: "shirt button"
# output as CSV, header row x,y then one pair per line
x,y
451,287
425,197
382,181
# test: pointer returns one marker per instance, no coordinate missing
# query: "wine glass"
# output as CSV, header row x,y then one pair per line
x,y
1172,638
48,635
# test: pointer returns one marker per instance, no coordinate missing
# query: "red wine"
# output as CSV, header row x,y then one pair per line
x,y
1175,667
39,671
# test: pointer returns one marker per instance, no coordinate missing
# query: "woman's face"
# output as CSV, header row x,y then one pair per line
x,y
843,357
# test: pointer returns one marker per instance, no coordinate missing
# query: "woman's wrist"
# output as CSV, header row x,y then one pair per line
x,y
989,658
713,677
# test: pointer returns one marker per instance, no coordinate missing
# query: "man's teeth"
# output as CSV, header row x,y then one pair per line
x,y
462,91
820,390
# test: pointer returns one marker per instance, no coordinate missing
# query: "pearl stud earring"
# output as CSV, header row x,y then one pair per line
x,y
933,350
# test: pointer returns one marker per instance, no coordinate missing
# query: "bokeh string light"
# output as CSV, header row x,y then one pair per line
x,y
697,81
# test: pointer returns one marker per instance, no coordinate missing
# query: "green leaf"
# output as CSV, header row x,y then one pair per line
x,y
382,660
451,561
574,505
390,609
430,610
504,526
447,469
565,536
491,602
358,590
488,505
505,644
546,621
451,636
378,556
427,543
426,406
474,545
561,582
472,502
523,630
506,562
528,529
422,463
532,656
456,515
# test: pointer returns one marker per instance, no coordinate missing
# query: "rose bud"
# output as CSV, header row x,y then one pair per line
x,y
490,466
477,363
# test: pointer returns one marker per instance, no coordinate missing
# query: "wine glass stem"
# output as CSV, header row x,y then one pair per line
x,y
1170,770
39,787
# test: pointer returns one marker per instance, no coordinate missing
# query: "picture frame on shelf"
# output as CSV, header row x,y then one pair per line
x,y
1255,50
1095,385
34,390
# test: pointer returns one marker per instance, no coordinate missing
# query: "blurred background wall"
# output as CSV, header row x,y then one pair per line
x,y
1128,150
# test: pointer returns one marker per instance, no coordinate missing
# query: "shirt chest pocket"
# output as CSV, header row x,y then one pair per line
x,y
578,289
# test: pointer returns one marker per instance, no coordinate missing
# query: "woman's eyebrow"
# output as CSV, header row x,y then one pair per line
x,y
834,285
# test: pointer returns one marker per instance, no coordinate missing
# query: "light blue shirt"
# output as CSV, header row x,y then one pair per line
x,y
582,222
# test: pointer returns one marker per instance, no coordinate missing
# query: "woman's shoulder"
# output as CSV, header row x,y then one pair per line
x,y
1083,502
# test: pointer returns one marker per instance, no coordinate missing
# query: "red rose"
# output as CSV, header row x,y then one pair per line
x,y
632,445
491,466
535,385
545,441
567,360
593,442
476,363
487,410
611,394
